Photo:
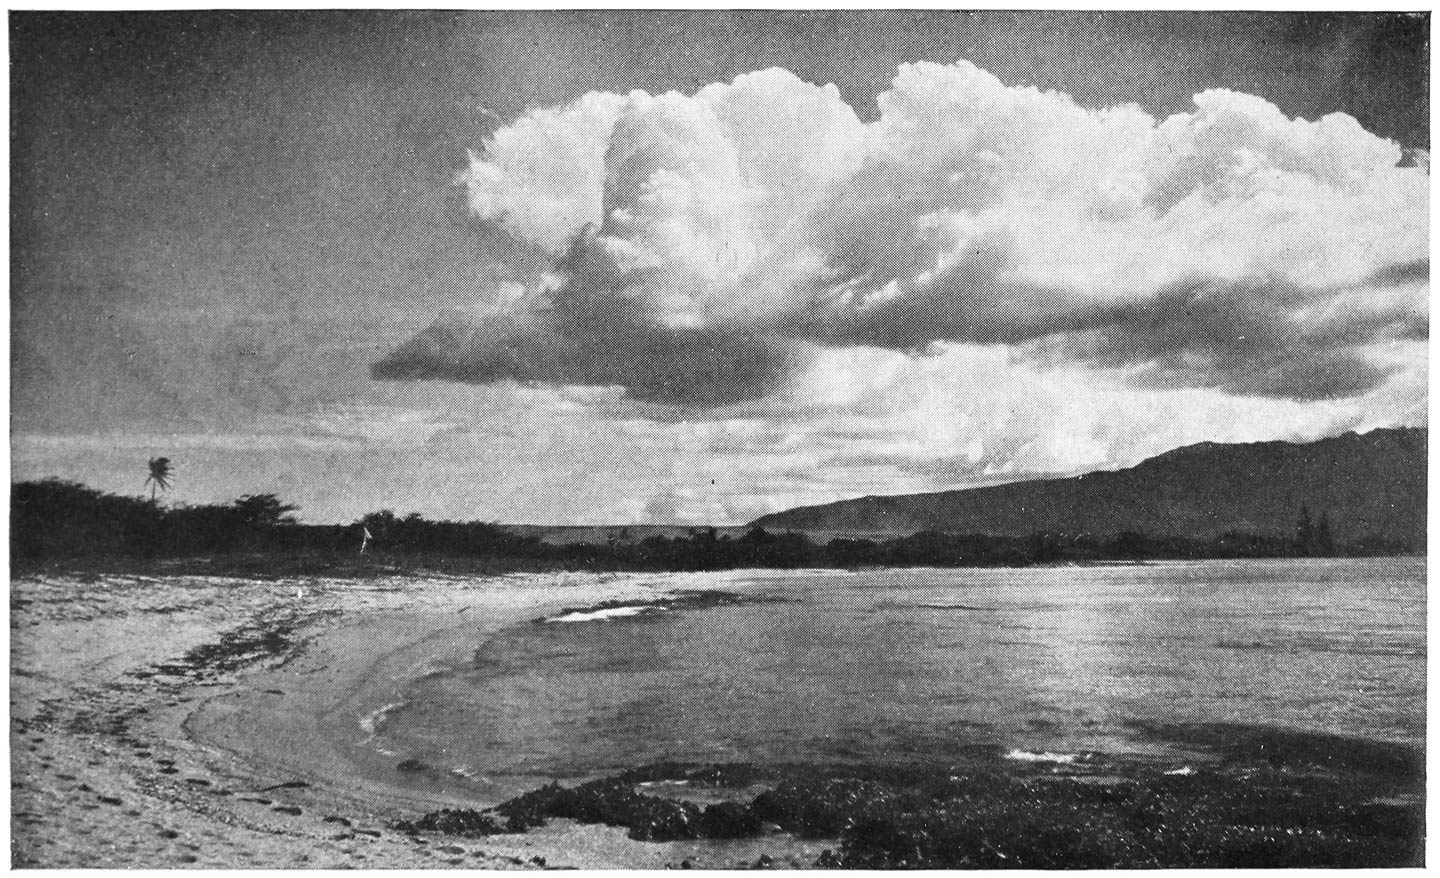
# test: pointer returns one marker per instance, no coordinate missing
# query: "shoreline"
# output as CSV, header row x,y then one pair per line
x,y
154,722
174,721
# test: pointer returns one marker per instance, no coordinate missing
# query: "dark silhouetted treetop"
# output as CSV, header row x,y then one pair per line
x,y
265,510
159,475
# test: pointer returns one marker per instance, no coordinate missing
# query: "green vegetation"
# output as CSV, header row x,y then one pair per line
x,y
53,521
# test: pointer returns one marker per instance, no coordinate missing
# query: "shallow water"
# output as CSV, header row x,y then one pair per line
x,y
931,665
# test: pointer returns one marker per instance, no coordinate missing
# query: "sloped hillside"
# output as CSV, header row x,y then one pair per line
x,y
1371,484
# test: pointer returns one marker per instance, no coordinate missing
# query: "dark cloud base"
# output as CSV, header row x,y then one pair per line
x,y
1242,338
698,368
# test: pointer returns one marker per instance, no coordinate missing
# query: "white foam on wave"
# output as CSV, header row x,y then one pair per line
x,y
1044,756
610,613
370,722
1182,771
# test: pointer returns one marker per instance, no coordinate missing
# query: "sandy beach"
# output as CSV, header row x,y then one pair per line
x,y
200,722
162,721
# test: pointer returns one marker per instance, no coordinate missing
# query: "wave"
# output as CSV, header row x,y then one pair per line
x,y
1396,647
681,599
1044,756
607,613
371,722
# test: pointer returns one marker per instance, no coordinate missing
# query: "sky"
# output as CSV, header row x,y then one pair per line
x,y
695,267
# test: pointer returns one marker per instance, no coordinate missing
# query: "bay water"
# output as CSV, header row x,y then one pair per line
x,y
933,666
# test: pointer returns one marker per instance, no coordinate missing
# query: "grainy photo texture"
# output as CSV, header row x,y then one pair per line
x,y
718,439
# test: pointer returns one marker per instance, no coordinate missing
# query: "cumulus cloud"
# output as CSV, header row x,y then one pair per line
x,y
708,247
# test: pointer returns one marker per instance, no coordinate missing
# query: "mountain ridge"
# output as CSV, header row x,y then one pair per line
x,y
1366,484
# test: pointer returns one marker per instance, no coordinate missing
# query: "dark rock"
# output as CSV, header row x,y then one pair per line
x,y
729,820
463,822
607,801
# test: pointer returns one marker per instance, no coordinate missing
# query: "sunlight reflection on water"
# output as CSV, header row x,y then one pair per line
x,y
925,665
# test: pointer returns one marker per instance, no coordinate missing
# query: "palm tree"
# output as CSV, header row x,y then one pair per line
x,y
159,475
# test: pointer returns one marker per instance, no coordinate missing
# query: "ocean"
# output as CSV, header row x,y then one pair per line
x,y
1118,663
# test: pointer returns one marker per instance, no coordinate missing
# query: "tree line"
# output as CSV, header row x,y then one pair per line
x,y
58,520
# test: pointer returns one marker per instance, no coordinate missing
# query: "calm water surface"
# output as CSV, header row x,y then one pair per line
x,y
923,665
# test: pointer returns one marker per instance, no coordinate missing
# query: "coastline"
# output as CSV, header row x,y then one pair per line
x,y
161,722
206,721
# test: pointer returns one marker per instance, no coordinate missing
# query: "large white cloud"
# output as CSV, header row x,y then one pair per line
x,y
707,246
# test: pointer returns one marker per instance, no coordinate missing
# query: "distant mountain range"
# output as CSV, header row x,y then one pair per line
x,y
1367,485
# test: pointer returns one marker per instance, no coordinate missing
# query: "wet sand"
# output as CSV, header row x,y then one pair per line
x,y
203,722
